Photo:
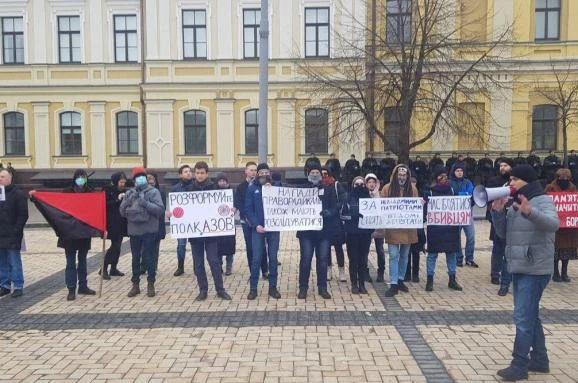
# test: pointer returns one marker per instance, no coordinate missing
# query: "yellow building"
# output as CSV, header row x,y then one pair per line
x,y
118,83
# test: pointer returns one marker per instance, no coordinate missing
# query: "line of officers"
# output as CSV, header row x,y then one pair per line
x,y
478,171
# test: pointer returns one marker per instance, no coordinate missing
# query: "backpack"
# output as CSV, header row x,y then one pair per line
x,y
136,213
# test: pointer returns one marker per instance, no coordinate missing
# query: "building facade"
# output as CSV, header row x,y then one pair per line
x,y
118,83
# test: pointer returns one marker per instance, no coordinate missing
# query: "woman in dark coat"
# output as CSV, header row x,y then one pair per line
x,y
226,246
77,249
115,223
442,239
153,181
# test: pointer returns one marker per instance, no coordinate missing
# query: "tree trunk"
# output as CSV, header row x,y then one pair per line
x,y
565,142
403,144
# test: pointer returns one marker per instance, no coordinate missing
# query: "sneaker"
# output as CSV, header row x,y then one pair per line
x,y
392,291
324,294
224,296
252,295
503,291
202,296
180,271
472,264
302,294
116,273
84,290
402,287
17,293
274,293
511,374
354,290
4,291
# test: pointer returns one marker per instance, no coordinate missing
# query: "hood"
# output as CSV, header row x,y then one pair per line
x,y
395,170
375,193
117,177
457,165
357,178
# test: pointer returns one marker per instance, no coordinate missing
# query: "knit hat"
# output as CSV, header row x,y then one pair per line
x,y
508,161
439,170
262,166
138,171
370,176
524,172
313,166
221,176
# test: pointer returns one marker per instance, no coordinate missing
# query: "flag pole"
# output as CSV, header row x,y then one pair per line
x,y
102,264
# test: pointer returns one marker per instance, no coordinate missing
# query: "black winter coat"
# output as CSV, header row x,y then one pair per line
x,y
226,245
350,211
115,223
442,239
329,212
13,217
82,244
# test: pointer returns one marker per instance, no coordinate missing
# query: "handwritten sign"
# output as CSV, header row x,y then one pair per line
x,y
288,209
567,208
449,211
202,214
391,213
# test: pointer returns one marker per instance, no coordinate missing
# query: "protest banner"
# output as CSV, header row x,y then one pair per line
x,y
197,214
391,213
449,211
290,209
567,208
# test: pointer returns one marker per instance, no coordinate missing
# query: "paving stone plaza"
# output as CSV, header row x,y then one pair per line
x,y
442,336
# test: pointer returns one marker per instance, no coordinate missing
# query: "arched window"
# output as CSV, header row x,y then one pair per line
x,y
544,127
127,133
70,134
195,132
316,131
14,134
251,131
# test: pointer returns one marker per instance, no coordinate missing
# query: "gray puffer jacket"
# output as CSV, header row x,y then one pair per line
x,y
142,207
529,239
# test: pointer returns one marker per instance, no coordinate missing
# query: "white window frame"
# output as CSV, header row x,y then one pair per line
x,y
317,4
186,5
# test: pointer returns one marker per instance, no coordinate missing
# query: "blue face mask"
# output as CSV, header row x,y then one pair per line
x,y
140,180
80,181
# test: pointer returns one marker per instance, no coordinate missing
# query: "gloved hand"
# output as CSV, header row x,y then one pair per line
x,y
325,213
142,202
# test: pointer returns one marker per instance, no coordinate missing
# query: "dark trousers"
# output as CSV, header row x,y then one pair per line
x,y
380,254
248,236
308,246
209,245
339,255
113,253
142,247
499,267
413,262
75,273
357,251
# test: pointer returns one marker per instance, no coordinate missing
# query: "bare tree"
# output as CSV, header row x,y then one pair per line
x,y
563,94
418,61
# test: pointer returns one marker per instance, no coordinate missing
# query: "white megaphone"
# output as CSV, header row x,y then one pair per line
x,y
483,195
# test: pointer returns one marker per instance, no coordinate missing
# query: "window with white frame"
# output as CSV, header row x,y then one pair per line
x,y
251,131
317,32
70,134
69,42
125,38
127,133
13,40
547,20
14,140
251,22
195,130
194,34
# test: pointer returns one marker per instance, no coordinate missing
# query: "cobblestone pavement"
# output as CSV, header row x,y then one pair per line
x,y
443,336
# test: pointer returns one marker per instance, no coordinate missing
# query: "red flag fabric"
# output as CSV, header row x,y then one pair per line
x,y
89,208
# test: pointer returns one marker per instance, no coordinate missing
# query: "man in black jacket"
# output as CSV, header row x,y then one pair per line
x,y
13,217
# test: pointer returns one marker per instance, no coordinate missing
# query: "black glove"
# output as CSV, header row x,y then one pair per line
x,y
325,213
360,216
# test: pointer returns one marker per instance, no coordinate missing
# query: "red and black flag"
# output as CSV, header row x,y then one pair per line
x,y
73,215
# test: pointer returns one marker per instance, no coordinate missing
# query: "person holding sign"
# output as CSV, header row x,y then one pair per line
x,y
357,240
463,186
529,229
255,216
399,241
318,242
226,245
186,178
566,238
442,238
13,217
378,235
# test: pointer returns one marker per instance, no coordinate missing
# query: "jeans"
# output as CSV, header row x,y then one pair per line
x,y
11,269
258,243
397,262
308,245
143,247
73,273
470,232
451,261
530,337
380,254
181,249
248,235
499,263
357,250
113,253
209,245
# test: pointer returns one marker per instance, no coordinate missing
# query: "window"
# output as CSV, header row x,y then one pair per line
x,y
544,127
316,131
70,134
316,32
547,19
127,133
392,126
398,21
194,34
251,22
14,134
195,132
125,39
69,39
13,40
251,131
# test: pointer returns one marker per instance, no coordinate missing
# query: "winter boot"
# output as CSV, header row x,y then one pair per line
x,y
429,283
134,291
180,268
392,291
452,284
151,289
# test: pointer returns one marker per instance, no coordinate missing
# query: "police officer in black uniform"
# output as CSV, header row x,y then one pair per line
x,y
485,169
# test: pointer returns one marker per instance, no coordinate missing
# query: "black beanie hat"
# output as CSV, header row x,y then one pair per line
x,y
262,166
314,166
524,172
439,170
507,160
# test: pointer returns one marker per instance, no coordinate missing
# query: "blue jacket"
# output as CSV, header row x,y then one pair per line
x,y
461,186
254,212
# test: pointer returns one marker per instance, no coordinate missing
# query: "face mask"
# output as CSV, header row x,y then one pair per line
x,y
80,181
564,184
264,180
140,180
358,187
314,179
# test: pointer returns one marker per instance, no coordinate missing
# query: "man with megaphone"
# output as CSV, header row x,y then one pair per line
x,y
529,228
